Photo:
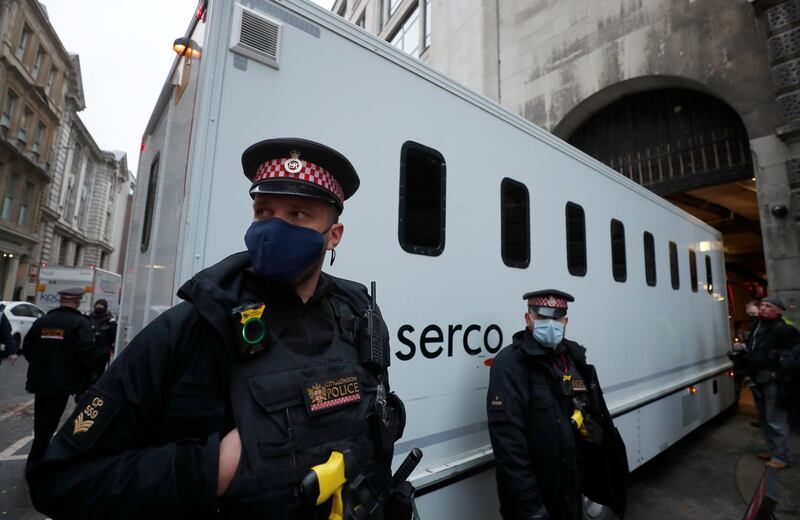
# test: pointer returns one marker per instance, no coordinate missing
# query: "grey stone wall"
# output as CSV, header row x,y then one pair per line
x,y
556,55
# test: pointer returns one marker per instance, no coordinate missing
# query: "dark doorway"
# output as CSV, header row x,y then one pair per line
x,y
693,150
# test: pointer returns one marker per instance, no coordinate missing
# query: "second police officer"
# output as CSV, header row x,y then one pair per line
x,y
551,432
221,405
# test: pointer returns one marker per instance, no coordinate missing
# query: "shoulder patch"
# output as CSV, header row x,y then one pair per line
x,y
497,401
90,419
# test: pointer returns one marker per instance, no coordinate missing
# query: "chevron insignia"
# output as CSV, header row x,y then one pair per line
x,y
81,425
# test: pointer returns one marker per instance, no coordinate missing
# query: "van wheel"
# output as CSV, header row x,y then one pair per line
x,y
18,341
595,511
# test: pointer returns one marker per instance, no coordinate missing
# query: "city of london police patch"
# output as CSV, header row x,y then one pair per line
x,y
333,393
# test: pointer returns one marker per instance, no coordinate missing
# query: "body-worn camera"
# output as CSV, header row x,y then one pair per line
x,y
252,334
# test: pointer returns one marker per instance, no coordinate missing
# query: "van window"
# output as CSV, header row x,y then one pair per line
x,y
422,200
515,227
150,201
693,269
709,278
576,239
673,266
619,266
649,259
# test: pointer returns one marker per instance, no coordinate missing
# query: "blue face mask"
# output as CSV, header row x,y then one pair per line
x,y
548,332
281,252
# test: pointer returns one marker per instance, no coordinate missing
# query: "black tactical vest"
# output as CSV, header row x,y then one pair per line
x,y
292,411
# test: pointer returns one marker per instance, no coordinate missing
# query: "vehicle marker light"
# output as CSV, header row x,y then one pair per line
x,y
730,373
692,390
488,362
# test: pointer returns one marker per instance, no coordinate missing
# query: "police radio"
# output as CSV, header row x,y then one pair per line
x,y
370,333
252,334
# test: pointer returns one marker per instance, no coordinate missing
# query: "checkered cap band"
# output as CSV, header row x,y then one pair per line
x,y
548,301
309,172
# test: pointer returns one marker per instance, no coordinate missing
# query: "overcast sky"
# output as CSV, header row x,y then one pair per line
x,y
125,50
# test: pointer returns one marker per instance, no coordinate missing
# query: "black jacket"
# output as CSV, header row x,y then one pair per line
x,y
161,408
540,458
769,341
61,353
6,338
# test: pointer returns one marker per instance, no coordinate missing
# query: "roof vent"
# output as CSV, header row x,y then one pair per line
x,y
256,36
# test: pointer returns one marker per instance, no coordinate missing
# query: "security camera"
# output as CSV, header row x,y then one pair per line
x,y
779,210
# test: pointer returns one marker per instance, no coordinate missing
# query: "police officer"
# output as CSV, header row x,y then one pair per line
x,y
61,354
551,432
220,406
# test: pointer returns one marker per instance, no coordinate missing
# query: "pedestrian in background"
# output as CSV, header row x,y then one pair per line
x,y
7,339
61,354
104,326
771,340
551,432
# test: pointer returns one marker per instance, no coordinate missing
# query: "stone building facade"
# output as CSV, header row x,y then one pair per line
x,y
699,100
59,190
33,71
79,206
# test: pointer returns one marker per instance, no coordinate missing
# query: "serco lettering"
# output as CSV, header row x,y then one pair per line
x,y
432,341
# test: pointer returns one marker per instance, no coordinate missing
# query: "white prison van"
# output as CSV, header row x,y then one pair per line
x,y
463,207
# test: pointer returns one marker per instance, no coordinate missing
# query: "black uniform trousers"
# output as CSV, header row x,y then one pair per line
x,y
47,410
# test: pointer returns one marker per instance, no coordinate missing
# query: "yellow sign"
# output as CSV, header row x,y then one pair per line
x,y
252,313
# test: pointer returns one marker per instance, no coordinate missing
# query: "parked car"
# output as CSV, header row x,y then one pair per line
x,y
21,315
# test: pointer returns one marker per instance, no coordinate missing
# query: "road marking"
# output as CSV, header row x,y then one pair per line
x,y
8,453
16,409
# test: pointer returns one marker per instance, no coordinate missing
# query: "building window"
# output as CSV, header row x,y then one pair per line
x,y
427,32
149,205
576,239
515,225
82,208
709,278
70,198
8,198
77,259
24,203
50,76
649,259
673,266
693,269
77,158
107,232
37,138
62,251
421,226
23,43
407,36
9,107
37,64
619,266
103,260
22,131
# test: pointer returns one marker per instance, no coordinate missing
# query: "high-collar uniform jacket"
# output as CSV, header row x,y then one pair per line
x,y
541,459
144,442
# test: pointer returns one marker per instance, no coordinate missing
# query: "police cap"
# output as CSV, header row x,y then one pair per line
x,y
550,303
293,166
71,294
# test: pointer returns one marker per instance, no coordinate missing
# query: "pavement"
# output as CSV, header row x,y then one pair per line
x,y
711,474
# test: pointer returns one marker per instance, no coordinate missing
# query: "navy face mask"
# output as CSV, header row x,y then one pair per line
x,y
282,252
